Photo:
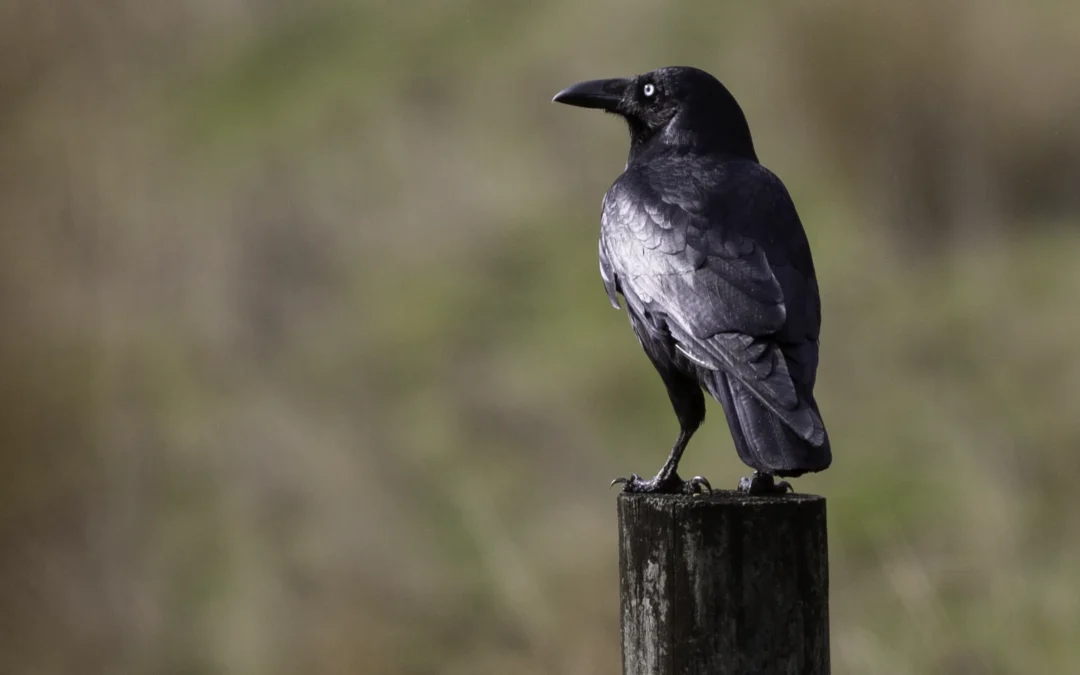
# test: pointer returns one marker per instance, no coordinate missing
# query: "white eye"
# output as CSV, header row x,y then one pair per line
x,y
648,90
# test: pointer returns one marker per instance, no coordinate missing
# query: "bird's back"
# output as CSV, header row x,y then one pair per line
x,y
713,255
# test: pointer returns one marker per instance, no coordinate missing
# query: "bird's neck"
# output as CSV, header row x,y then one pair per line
x,y
724,136
643,140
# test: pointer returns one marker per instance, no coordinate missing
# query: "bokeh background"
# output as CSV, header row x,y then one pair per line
x,y
306,367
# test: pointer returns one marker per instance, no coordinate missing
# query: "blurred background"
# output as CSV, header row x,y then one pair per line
x,y
306,366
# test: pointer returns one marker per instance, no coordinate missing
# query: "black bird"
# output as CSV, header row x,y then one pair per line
x,y
708,252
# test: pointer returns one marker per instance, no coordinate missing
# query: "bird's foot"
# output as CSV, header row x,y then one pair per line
x,y
671,484
764,484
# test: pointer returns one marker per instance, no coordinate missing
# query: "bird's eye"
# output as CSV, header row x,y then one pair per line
x,y
648,90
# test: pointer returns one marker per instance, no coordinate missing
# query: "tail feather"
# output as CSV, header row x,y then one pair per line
x,y
763,441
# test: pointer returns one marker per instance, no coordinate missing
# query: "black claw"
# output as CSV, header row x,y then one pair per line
x,y
764,484
697,484
671,484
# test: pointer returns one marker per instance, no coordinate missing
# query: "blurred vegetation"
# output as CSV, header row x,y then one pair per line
x,y
306,367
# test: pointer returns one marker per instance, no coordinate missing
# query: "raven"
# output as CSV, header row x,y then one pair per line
x,y
706,248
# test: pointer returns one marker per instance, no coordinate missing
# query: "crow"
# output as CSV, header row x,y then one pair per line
x,y
706,248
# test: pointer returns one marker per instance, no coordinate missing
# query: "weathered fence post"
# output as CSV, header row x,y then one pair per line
x,y
724,584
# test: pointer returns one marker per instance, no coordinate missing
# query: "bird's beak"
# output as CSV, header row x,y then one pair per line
x,y
602,94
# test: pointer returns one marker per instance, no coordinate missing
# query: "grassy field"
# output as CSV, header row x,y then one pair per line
x,y
306,365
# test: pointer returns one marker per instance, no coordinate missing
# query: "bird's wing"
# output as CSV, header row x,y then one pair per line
x,y
713,287
607,274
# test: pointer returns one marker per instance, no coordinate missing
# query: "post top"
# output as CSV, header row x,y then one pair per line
x,y
716,498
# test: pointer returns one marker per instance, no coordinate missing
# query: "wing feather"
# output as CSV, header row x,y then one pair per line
x,y
715,287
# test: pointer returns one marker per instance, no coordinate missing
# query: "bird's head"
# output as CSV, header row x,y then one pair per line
x,y
676,106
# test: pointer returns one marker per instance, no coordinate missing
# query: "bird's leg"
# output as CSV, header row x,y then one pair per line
x,y
667,479
671,464
687,401
762,483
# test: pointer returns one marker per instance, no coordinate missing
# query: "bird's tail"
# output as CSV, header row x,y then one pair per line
x,y
763,441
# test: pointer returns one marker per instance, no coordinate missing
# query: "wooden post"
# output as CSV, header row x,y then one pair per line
x,y
724,584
